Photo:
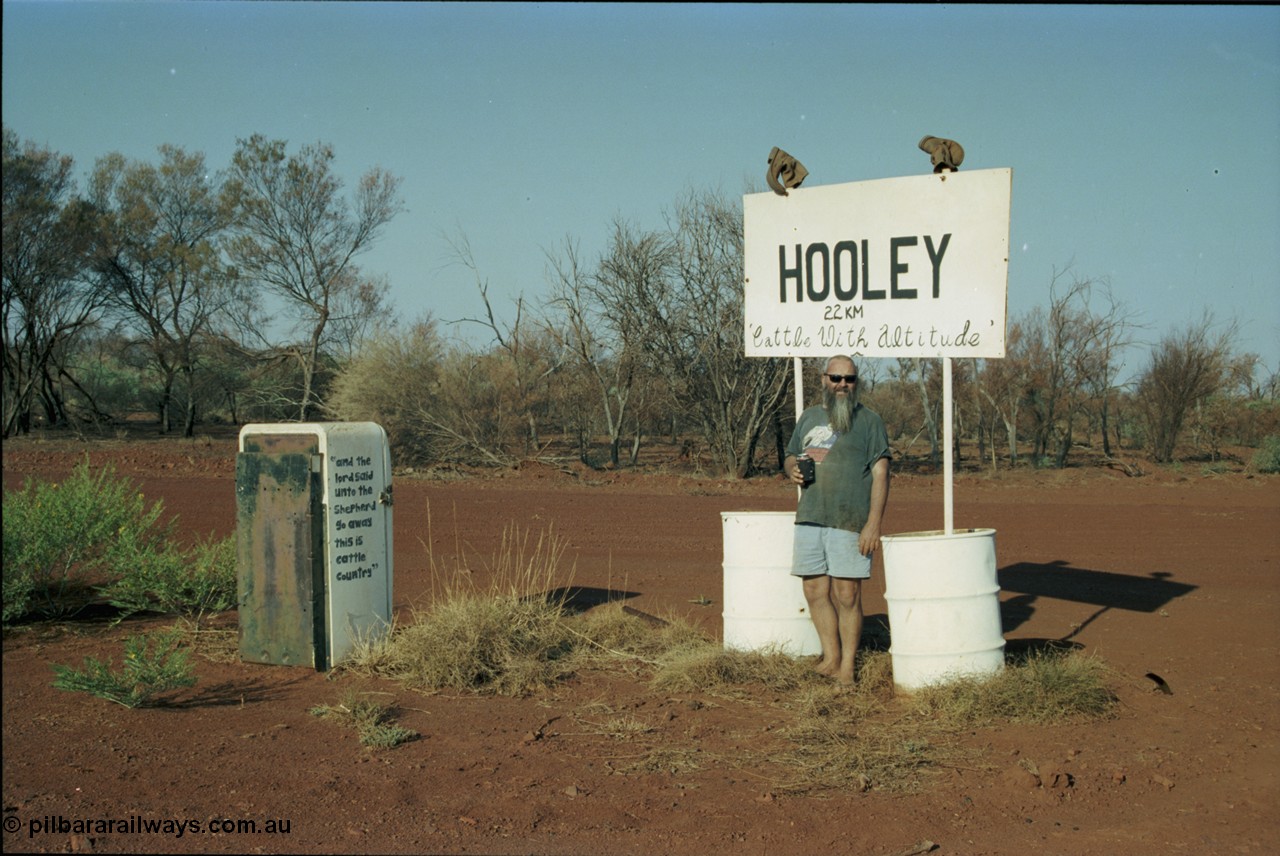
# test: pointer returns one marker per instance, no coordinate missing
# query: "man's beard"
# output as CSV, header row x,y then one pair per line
x,y
840,408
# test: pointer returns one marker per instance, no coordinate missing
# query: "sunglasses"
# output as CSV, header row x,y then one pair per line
x,y
845,378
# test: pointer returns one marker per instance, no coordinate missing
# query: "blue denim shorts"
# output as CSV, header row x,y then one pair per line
x,y
823,550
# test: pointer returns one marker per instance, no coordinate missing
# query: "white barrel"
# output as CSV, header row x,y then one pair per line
x,y
764,605
944,606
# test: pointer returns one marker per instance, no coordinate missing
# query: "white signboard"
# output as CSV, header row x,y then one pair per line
x,y
900,267
357,494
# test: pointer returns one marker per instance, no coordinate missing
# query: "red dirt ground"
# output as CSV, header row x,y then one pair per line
x,y
1175,574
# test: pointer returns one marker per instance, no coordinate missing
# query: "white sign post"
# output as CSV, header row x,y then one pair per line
x,y
900,267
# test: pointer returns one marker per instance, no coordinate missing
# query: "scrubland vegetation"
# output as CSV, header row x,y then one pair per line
x,y
197,295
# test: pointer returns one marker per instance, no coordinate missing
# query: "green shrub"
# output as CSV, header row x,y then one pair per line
x,y
393,381
162,578
146,673
94,534
57,538
1267,458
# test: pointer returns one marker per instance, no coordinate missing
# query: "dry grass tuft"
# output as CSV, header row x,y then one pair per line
x,y
704,665
855,739
1042,688
499,644
372,721
613,639
669,760
507,638
617,727
218,645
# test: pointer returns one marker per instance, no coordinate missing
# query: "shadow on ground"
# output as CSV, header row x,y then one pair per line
x,y
579,599
1029,582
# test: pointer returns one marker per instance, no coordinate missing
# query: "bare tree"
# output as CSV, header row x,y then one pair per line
x,y
1072,354
1051,341
579,329
984,428
929,408
1004,383
1105,335
47,299
606,340
684,288
1232,414
894,398
525,358
298,237
1186,367
359,312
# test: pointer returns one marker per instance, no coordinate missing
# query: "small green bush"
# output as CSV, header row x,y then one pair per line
x,y
1267,458
162,578
57,538
146,673
94,534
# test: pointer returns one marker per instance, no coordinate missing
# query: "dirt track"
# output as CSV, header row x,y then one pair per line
x,y
1172,574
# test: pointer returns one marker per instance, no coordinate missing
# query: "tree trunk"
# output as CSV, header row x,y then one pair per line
x,y
532,442
166,400
1011,428
779,442
929,420
1064,447
1106,437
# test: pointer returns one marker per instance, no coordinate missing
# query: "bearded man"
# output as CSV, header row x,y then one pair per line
x,y
840,512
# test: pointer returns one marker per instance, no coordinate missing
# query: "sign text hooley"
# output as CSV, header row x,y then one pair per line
x,y
898,267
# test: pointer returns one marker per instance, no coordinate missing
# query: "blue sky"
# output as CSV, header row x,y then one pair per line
x,y
1144,141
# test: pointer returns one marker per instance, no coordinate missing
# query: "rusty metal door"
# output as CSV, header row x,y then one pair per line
x,y
280,573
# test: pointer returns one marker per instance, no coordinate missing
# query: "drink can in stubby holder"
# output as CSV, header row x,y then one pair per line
x,y
807,467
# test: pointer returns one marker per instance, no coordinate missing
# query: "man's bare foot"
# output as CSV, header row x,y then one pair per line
x,y
823,667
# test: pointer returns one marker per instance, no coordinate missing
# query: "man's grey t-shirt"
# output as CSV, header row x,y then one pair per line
x,y
840,496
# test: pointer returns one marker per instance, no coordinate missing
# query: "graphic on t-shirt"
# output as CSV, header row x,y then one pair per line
x,y
819,441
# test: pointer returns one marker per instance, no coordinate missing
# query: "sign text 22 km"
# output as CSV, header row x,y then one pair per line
x,y
899,267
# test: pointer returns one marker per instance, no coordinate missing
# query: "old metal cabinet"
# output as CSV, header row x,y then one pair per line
x,y
314,540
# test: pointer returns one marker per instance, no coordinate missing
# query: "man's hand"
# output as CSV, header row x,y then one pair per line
x,y
869,539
